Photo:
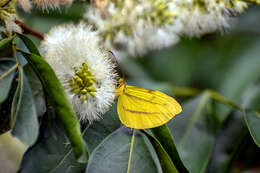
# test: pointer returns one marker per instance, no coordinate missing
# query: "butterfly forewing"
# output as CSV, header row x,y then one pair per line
x,y
142,108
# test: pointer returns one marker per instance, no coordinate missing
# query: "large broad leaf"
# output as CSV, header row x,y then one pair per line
x,y
7,89
165,160
240,76
251,97
7,72
230,137
163,135
99,130
37,90
24,118
252,118
52,152
194,133
112,155
29,44
235,129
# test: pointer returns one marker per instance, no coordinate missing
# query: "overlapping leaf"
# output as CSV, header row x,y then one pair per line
x,y
113,153
24,117
194,133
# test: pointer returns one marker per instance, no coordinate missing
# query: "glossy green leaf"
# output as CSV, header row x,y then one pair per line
x,y
61,103
234,129
8,87
99,130
240,76
52,152
251,98
5,42
194,133
37,90
163,135
113,153
17,99
7,73
25,120
252,119
29,44
165,160
231,136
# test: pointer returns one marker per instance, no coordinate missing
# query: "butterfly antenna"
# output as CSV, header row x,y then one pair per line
x,y
121,74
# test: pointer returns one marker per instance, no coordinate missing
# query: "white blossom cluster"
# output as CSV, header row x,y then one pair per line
x,y
8,16
133,27
205,16
43,4
84,68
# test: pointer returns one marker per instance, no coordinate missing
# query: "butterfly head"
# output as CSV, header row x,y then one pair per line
x,y
120,87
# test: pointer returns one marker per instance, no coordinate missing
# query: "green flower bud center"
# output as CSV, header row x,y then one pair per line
x,y
82,82
161,15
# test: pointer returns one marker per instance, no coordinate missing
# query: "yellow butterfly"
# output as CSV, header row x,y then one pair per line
x,y
141,108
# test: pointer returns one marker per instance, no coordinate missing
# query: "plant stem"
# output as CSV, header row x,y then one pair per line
x,y
9,71
29,30
131,151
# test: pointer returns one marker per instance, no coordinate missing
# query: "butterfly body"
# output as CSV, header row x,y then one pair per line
x,y
141,108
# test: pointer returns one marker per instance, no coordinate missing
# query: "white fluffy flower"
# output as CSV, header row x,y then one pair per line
x,y
134,27
85,69
10,24
8,17
44,4
200,17
51,3
25,4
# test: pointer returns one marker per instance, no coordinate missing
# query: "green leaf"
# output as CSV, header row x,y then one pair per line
x,y
231,136
37,90
163,134
5,116
99,130
17,99
26,126
113,153
234,129
52,152
61,103
194,133
165,160
7,73
29,44
5,42
251,97
7,92
252,119
240,76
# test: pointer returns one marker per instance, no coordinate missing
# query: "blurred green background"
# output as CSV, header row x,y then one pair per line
x,y
228,62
